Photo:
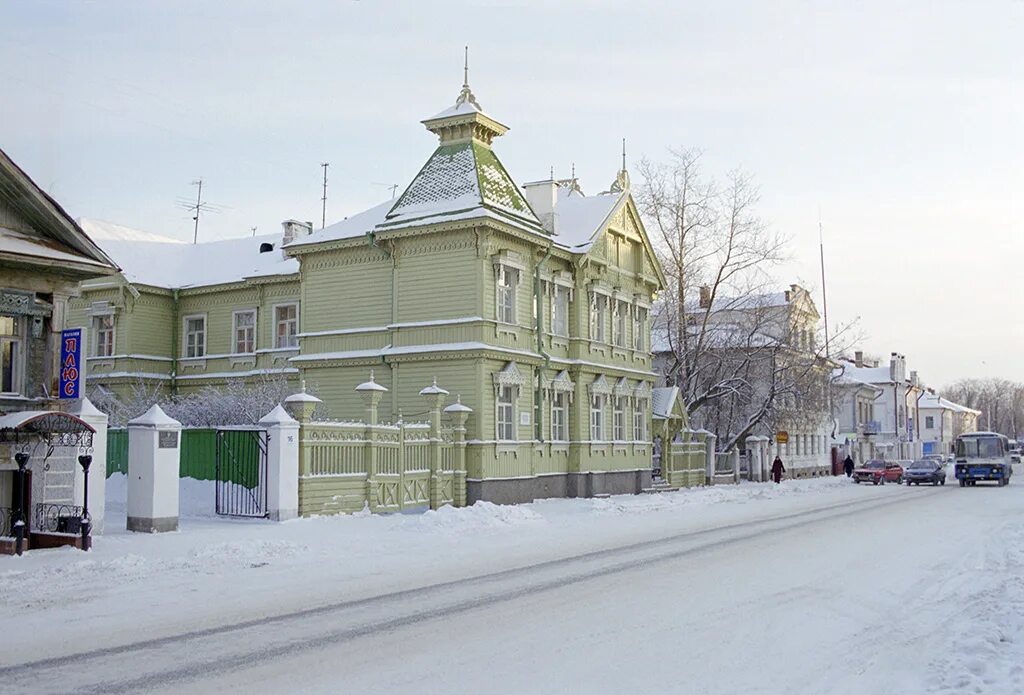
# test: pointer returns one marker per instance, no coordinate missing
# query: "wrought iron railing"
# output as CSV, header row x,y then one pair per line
x,y
58,518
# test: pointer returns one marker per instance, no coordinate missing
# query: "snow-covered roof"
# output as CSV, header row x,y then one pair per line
x,y
151,259
869,375
842,377
20,244
108,231
663,399
578,218
933,400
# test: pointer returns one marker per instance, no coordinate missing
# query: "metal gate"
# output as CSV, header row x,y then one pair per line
x,y
242,472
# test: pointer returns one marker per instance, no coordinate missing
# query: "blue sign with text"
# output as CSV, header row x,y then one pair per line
x,y
70,362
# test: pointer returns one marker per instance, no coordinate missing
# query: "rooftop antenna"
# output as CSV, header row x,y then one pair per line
x,y
552,172
254,231
824,296
465,68
393,187
323,212
198,207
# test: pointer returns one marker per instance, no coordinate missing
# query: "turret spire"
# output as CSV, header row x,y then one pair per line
x,y
621,182
466,95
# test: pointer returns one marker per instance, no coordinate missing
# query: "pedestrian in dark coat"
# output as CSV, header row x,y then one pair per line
x,y
777,469
848,465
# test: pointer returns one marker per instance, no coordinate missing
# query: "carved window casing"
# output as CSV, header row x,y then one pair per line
x,y
619,418
286,326
560,311
103,332
195,335
598,311
639,328
11,354
244,331
620,315
559,416
505,294
507,385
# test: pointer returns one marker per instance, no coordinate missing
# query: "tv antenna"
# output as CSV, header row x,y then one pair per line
x,y
198,207
393,187
323,212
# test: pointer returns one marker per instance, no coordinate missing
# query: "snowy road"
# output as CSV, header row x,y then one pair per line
x,y
853,590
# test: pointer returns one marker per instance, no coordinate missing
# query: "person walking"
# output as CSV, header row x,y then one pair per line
x,y
777,470
848,465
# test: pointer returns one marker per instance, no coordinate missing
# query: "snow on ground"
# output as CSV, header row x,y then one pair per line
x,y
922,592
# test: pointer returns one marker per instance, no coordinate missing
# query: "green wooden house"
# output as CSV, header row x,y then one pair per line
x,y
531,303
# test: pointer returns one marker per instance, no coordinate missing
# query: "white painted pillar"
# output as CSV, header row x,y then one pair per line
x,y
282,464
84,409
736,465
754,452
765,446
154,459
709,453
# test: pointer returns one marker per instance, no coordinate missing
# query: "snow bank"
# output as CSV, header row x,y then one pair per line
x,y
196,498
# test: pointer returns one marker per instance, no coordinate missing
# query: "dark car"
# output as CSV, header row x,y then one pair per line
x,y
879,472
926,471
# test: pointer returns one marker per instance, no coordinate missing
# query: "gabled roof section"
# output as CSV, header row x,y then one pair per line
x,y
47,217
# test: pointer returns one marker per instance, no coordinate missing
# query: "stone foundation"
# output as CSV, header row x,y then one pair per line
x,y
520,490
144,525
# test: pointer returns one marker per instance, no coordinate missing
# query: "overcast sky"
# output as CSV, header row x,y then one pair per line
x,y
903,122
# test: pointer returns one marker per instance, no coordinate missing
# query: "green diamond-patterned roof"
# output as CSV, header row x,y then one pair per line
x,y
460,177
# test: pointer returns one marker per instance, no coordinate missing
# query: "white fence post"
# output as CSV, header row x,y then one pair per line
x,y
282,464
709,453
154,459
98,471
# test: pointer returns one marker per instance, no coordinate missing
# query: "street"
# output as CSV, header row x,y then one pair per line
x,y
856,589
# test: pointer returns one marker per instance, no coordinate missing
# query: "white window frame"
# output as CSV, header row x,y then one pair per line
x,y
100,347
252,329
929,422
17,341
559,416
201,354
640,420
619,418
598,309
560,311
506,287
505,429
639,328
619,313
597,403
278,322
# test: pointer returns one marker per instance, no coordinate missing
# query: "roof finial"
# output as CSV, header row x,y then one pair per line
x,y
466,95
552,172
621,182
573,177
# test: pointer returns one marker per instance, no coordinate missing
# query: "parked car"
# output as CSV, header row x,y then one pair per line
x,y
925,471
878,472
1014,455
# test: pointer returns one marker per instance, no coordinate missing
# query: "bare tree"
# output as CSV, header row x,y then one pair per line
x,y
1001,402
725,339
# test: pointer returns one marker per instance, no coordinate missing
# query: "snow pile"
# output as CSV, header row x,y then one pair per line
x,y
482,515
987,648
196,498
702,497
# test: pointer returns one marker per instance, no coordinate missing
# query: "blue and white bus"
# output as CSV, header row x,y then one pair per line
x,y
983,456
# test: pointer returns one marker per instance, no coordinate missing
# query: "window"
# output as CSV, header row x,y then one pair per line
x,y
10,354
639,328
506,413
597,418
103,332
508,278
619,326
286,322
195,336
598,306
560,311
619,419
559,432
929,421
640,420
245,331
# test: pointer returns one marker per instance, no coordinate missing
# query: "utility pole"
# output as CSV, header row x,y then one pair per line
x,y
323,214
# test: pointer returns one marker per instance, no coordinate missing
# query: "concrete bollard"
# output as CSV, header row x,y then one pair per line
x,y
154,459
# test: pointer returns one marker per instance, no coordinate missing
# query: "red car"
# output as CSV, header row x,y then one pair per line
x,y
879,472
